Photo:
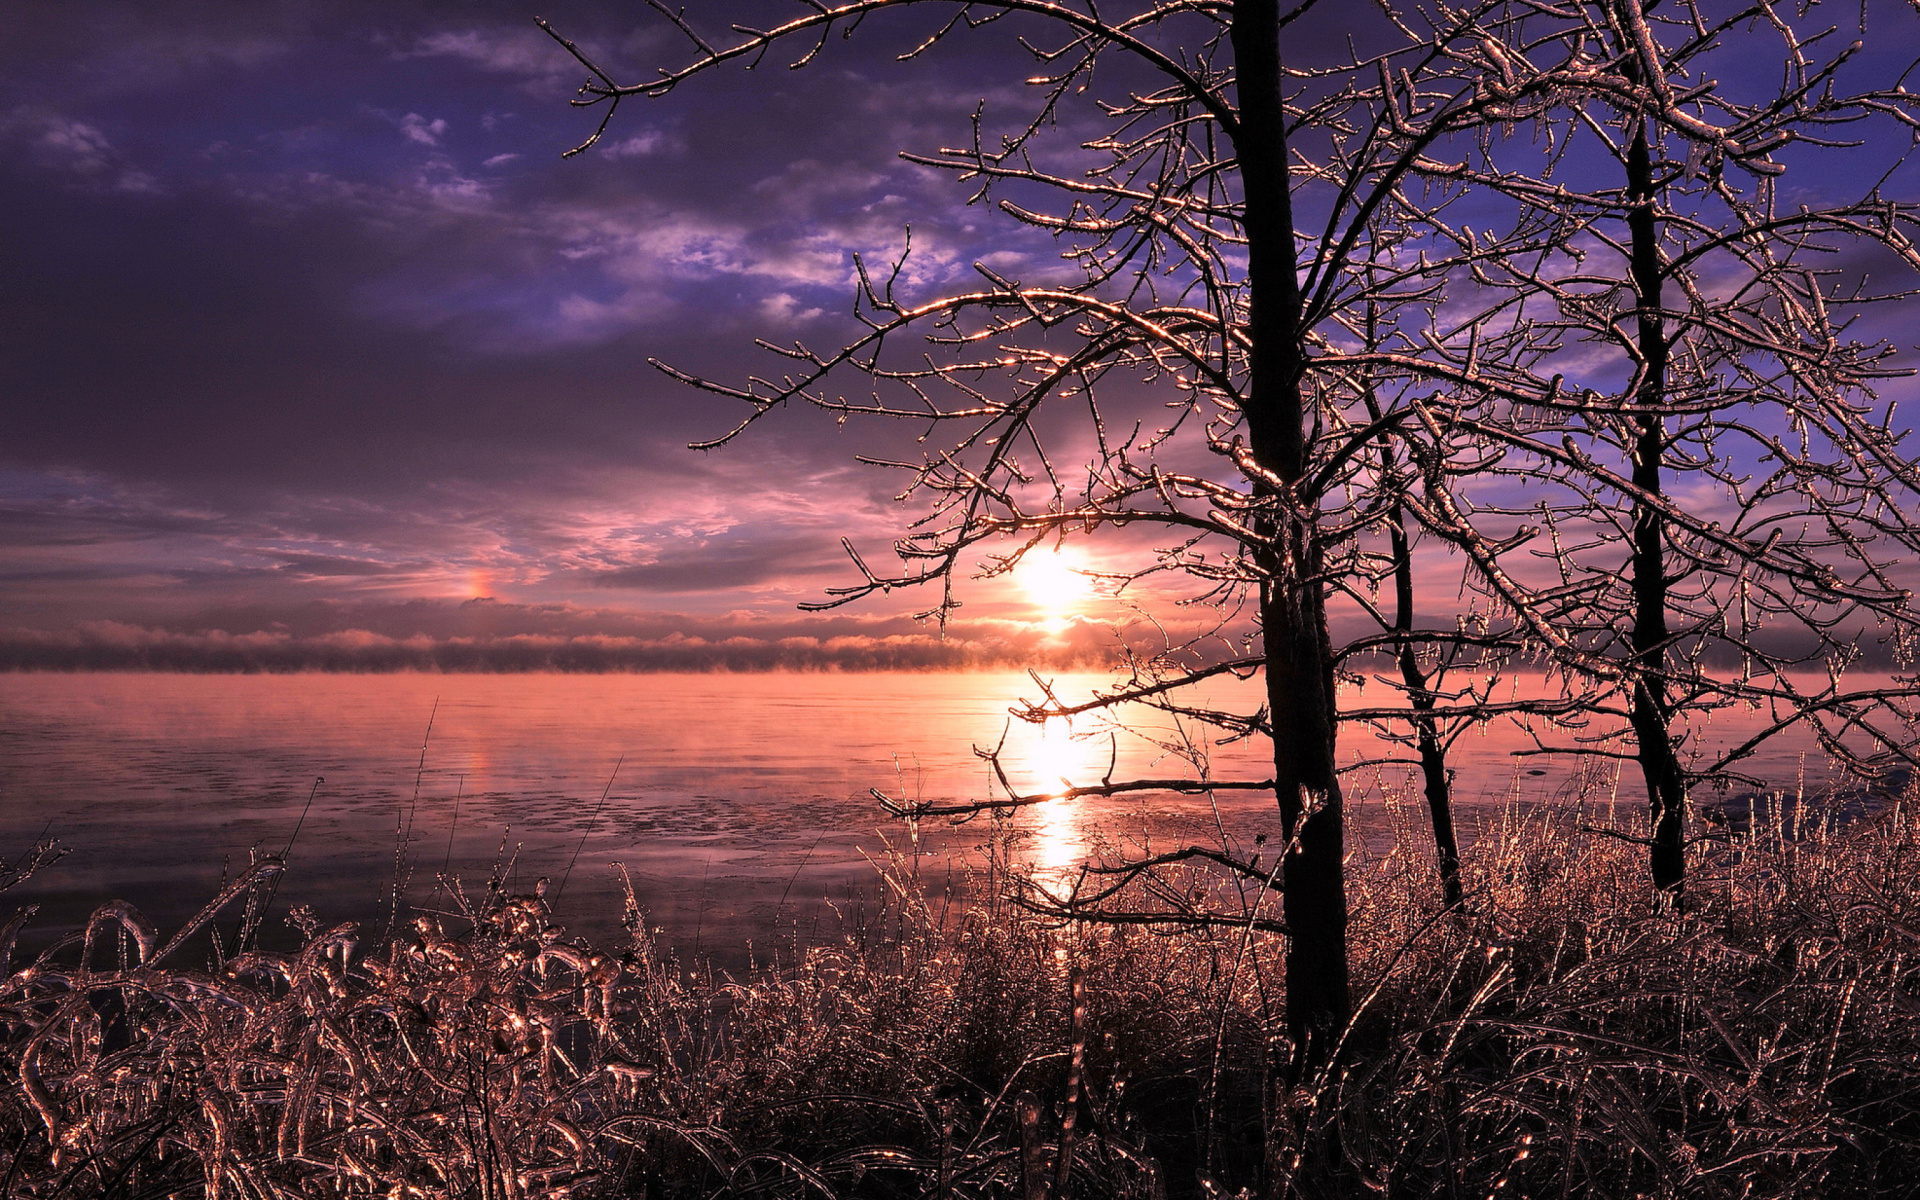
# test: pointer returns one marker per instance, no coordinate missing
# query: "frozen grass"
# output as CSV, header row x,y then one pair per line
x,y
1566,1037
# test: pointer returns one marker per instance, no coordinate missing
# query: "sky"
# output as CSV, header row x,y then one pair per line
x,y
314,351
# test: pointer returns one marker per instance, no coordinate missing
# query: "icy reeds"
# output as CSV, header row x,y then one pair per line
x,y
1565,1036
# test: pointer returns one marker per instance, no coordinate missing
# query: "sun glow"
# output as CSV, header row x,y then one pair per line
x,y
1056,583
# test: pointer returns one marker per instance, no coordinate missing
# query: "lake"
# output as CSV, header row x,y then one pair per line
x,y
736,802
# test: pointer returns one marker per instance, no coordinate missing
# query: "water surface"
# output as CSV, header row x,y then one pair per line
x,y
735,802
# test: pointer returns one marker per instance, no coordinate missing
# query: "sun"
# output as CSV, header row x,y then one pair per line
x,y
1054,582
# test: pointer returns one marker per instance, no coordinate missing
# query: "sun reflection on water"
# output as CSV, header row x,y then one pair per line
x,y
1052,760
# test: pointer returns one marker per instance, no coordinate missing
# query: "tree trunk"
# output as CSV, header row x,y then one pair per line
x,y
1438,785
1433,756
1299,667
1652,715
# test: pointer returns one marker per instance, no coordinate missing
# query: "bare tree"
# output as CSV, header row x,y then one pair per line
x,y
1669,361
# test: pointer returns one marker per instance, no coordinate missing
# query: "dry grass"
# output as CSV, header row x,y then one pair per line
x,y
1566,1038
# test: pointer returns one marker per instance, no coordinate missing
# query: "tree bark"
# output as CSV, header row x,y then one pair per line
x,y
1652,714
1299,657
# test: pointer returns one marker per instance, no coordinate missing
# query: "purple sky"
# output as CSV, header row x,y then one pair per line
x,y
307,329
313,351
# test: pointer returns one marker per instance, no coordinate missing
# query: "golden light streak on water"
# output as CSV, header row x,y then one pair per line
x,y
1055,760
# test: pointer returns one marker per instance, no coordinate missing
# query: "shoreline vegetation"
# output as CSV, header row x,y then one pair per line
x,y
1564,1033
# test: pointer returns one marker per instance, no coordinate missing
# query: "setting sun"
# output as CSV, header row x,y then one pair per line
x,y
1054,581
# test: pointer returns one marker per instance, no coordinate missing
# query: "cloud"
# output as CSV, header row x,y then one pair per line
x,y
732,529
646,262
74,144
417,128
783,309
544,68
75,148
524,274
636,146
723,567
325,566
519,51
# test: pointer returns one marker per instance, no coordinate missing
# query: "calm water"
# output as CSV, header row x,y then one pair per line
x,y
739,802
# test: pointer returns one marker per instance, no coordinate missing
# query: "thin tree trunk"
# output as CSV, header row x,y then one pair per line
x,y
1299,667
1652,714
1438,785
1433,756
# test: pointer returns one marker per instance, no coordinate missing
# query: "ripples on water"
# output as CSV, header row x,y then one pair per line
x,y
740,800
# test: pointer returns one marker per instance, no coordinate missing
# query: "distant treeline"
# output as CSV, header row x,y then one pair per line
x,y
359,651
111,646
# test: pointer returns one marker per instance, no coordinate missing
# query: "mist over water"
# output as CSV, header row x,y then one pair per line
x,y
741,802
